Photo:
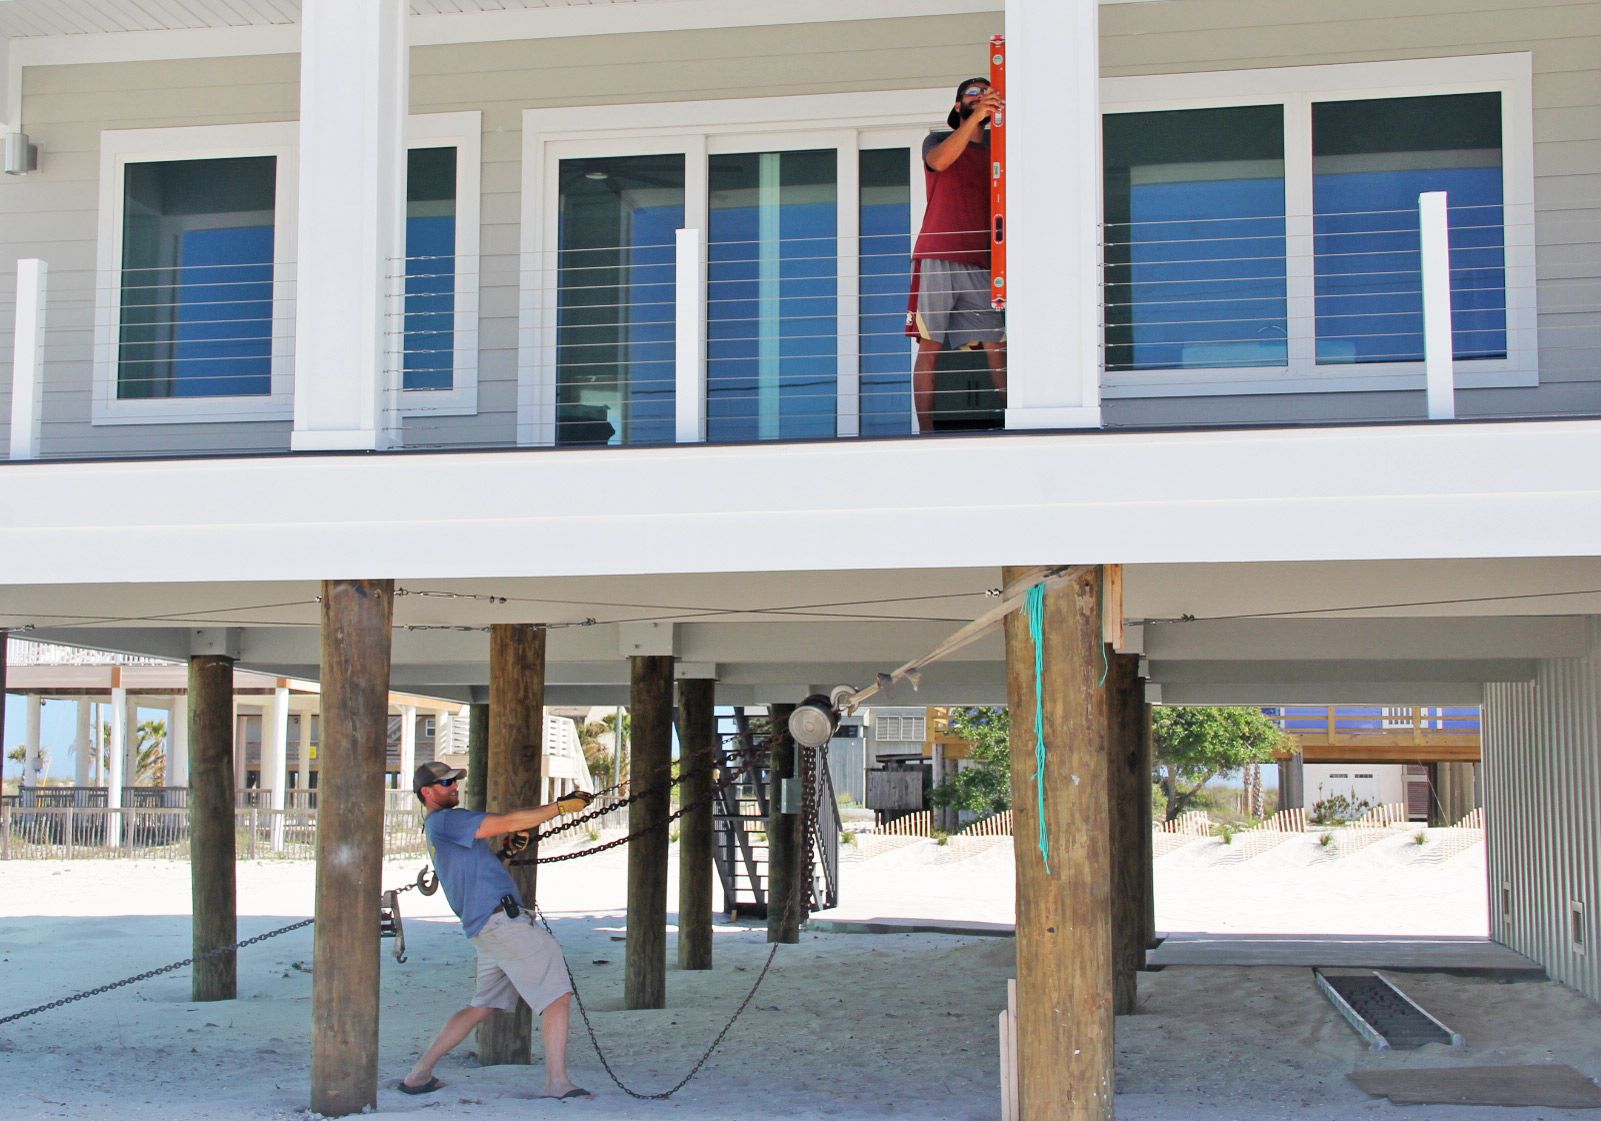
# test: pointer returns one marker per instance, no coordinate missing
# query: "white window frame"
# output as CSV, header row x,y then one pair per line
x,y
848,123
118,149
280,139
1297,89
464,132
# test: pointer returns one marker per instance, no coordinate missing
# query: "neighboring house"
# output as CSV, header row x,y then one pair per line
x,y
590,315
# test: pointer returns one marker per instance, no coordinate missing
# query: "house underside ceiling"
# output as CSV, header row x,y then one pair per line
x,y
1379,632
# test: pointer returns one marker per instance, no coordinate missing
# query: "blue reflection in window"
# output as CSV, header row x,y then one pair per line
x,y
1204,282
650,366
1369,271
886,249
430,311
772,313
222,340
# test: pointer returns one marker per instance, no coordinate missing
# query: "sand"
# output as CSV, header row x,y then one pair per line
x,y
847,1026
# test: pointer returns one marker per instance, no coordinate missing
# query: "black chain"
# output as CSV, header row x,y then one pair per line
x,y
800,898
611,807
206,955
733,777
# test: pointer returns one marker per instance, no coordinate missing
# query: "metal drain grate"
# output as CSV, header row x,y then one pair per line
x,y
1381,1013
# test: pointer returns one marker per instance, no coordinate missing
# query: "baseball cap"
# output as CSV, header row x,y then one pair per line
x,y
432,772
954,119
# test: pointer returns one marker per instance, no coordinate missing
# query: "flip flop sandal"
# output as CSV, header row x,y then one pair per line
x,y
428,1087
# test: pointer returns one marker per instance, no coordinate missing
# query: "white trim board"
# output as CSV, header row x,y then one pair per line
x,y
280,139
1483,490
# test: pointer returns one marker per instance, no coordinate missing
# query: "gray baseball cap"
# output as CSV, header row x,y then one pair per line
x,y
432,772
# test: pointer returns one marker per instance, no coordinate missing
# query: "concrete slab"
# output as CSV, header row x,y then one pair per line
x,y
911,926
1477,956
1556,1086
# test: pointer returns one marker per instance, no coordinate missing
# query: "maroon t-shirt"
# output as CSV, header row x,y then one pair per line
x,y
956,223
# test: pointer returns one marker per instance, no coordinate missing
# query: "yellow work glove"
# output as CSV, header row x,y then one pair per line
x,y
576,802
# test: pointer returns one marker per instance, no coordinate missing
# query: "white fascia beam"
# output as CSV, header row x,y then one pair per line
x,y
1411,639
1453,693
1504,489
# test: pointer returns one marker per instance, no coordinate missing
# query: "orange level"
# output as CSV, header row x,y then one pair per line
x,y
998,177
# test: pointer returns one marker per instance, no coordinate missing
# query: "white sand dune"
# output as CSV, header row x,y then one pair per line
x,y
846,1027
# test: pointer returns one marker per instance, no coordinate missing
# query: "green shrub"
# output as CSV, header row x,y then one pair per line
x,y
1225,833
941,837
1422,838
848,838
1337,809
1326,840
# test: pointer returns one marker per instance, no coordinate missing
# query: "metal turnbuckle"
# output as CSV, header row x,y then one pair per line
x,y
389,924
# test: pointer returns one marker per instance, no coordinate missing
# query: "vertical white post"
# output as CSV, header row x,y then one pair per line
x,y
275,761
115,754
82,746
32,722
769,294
1434,235
178,741
848,304
27,360
353,90
689,333
303,761
408,744
97,769
1053,214
130,764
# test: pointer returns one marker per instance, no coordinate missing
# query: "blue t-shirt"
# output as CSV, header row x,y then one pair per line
x,y
474,879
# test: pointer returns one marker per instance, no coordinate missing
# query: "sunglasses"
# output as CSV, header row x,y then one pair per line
x,y
444,782
975,91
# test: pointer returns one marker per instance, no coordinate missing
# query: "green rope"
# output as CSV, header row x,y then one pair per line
x,y
1036,630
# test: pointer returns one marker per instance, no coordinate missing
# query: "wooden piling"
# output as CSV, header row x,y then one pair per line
x,y
357,616
513,781
650,706
211,825
784,843
1125,710
697,754
1064,929
477,757
1148,937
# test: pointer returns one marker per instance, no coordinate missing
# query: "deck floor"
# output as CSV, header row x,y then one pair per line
x,y
1471,955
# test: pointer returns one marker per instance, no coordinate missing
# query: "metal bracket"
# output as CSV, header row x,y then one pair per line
x,y
389,924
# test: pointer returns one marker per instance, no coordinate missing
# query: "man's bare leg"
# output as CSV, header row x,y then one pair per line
x,y
923,383
454,1031
553,1026
995,355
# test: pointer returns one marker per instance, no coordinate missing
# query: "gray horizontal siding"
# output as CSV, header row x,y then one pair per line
x,y
1564,41
53,215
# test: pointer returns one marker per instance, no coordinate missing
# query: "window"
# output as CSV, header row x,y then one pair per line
x,y
1195,249
885,221
771,297
1268,241
614,295
195,321
196,316
1370,161
429,356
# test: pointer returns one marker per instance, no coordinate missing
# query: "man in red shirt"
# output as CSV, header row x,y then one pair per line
x,y
950,303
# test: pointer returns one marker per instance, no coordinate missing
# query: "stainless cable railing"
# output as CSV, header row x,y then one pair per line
x,y
789,338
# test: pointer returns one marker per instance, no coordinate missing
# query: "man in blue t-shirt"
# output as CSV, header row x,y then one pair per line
x,y
516,958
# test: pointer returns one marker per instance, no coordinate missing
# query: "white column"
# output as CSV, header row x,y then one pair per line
x,y
178,741
82,745
353,89
408,744
1435,237
1053,214
27,360
115,754
689,336
275,761
303,760
30,740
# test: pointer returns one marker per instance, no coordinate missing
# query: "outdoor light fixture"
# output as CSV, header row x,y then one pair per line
x,y
21,156
815,719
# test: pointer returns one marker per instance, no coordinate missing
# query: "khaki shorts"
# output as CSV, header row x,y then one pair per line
x,y
952,305
518,958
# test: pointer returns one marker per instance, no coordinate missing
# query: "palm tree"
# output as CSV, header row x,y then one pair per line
x,y
149,756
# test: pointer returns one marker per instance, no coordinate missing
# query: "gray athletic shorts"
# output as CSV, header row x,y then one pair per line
x,y
953,305
518,958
